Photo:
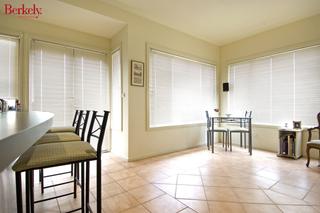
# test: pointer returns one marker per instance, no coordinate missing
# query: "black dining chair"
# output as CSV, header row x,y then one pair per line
x,y
210,133
243,130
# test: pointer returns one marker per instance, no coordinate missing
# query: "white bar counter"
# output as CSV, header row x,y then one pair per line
x,y
19,131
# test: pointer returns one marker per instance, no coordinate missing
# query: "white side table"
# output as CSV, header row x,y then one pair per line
x,y
290,141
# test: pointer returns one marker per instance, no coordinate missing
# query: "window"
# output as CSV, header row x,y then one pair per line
x,y
278,88
116,117
180,89
8,66
63,79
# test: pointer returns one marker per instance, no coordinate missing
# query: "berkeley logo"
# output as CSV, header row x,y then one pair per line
x,y
23,11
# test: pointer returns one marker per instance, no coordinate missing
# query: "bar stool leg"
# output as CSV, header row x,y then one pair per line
x,y
31,179
75,178
87,185
27,191
71,169
42,180
82,188
19,193
99,209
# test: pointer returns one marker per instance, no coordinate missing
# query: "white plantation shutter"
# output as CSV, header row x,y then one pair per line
x,y
307,85
8,66
63,79
278,89
91,77
282,88
180,90
51,81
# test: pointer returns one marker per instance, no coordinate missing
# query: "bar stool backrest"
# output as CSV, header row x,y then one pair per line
x,y
83,117
97,129
75,118
208,119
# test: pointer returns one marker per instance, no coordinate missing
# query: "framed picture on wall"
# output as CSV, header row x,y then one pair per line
x,y
137,73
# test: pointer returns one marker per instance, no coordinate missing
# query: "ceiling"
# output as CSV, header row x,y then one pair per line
x,y
216,21
72,17
221,21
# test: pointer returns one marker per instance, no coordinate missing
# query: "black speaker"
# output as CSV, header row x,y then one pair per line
x,y
225,87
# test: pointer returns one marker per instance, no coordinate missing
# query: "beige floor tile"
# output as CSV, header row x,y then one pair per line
x,y
169,180
105,179
316,187
69,203
299,182
167,188
251,195
243,182
279,198
119,203
50,206
215,181
146,193
164,204
152,176
121,174
115,167
297,209
317,207
262,182
132,182
233,182
260,208
289,190
220,194
199,206
190,180
137,209
190,192
187,210
109,190
225,207
313,198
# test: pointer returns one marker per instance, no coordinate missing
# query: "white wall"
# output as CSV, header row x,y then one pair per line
x,y
142,142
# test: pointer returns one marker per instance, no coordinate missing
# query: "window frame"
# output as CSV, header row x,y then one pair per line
x,y
121,86
149,48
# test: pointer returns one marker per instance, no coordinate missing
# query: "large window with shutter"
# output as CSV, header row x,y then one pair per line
x,y
63,79
278,88
9,47
180,89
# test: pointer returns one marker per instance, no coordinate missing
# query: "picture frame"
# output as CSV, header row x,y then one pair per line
x,y
297,124
137,73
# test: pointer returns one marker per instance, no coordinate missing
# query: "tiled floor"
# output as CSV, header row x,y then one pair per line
x,y
196,180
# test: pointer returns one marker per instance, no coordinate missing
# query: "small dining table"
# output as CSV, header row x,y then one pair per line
x,y
241,121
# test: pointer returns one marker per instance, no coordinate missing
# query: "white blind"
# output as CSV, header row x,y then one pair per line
x,y
90,80
180,90
8,66
279,88
116,104
63,79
